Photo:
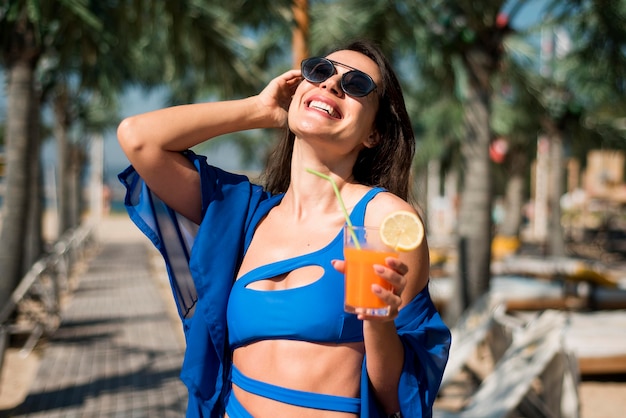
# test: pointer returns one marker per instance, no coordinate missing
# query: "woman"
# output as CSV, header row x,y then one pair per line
x,y
261,296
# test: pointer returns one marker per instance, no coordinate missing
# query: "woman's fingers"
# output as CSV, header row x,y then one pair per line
x,y
339,265
393,273
397,265
394,277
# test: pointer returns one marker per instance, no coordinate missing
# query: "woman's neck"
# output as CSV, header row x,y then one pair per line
x,y
309,194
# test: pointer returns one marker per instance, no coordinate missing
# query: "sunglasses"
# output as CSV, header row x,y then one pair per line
x,y
354,83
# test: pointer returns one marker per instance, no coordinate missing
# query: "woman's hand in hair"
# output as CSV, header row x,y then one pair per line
x,y
276,96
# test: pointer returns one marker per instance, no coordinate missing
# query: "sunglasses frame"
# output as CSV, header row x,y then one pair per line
x,y
333,64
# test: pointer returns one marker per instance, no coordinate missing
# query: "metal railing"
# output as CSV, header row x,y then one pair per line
x,y
34,308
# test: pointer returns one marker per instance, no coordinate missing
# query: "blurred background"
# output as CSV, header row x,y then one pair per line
x,y
519,110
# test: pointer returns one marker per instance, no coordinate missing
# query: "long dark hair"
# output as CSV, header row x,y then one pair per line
x,y
388,163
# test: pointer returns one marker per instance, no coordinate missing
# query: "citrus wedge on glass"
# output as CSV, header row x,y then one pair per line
x,y
402,230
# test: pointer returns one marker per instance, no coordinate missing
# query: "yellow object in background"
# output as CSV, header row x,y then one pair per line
x,y
504,246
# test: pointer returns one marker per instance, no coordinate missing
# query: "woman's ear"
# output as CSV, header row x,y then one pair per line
x,y
372,139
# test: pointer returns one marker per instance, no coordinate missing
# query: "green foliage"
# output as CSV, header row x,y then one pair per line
x,y
216,49
589,78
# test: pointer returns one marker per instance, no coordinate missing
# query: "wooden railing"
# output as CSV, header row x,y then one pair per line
x,y
34,308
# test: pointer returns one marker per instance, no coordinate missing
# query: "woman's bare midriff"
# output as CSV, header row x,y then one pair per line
x,y
329,369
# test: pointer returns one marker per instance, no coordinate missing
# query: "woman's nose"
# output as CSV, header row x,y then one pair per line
x,y
333,84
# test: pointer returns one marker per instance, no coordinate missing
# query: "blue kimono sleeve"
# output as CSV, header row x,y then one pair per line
x,y
426,340
201,264
172,234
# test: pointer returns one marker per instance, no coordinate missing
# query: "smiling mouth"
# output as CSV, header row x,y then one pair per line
x,y
324,107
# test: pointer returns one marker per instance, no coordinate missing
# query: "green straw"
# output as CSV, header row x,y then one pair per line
x,y
343,206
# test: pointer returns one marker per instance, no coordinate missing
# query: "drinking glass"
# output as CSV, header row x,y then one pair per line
x,y
362,248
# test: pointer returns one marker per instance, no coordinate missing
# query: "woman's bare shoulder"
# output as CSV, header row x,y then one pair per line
x,y
416,260
382,205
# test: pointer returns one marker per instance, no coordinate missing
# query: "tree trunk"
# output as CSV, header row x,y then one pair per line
x,y
76,165
61,123
33,241
18,155
556,240
475,224
300,36
96,180
514,194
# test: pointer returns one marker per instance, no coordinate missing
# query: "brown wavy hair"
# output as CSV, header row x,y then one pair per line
x,y
388,164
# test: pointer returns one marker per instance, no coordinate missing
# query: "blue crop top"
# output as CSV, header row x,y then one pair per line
x,y
313,312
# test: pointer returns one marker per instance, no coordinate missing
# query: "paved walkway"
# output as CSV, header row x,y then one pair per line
x,y
118,350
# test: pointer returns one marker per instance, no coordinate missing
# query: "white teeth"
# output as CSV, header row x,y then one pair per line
x,y
322,106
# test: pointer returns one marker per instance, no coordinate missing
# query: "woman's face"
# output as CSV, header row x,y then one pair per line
x,y
324,111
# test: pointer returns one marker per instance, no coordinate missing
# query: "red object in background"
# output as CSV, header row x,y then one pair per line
x,y
498,150
502,20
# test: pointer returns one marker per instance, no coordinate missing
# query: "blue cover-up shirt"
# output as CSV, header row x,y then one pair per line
x,y
202,263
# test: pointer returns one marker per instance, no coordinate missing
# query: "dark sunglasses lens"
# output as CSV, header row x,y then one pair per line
x,y
356,83
317,70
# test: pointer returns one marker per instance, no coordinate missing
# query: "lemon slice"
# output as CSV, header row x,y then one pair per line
x,y
402,230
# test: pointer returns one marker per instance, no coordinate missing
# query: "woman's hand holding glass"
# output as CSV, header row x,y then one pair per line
x,y
393,272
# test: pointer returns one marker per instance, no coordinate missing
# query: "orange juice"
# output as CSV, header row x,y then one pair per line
x,y
359,277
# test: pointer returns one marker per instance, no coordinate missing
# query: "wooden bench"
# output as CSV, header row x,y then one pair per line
x,y
535,375
470,331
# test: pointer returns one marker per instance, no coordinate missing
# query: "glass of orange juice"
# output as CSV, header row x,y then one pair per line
x,y
362,248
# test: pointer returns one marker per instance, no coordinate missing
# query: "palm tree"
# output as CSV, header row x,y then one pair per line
x,y
515,121
77,50
44,45
21,50
300,37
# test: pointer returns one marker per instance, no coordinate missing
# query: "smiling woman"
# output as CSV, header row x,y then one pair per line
x,y
260,283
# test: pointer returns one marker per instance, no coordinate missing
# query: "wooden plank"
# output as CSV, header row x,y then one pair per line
x,y
526,359
561,267
513,304
598,341
469,331
602,365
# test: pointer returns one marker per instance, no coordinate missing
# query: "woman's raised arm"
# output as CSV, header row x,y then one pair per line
x,y
153,141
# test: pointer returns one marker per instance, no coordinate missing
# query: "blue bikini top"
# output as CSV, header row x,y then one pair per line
x,y
313,312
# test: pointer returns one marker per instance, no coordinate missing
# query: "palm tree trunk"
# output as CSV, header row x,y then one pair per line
x,y
475,224
18,155
33,241
76,165
556,240
300,36
62,174
514,194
